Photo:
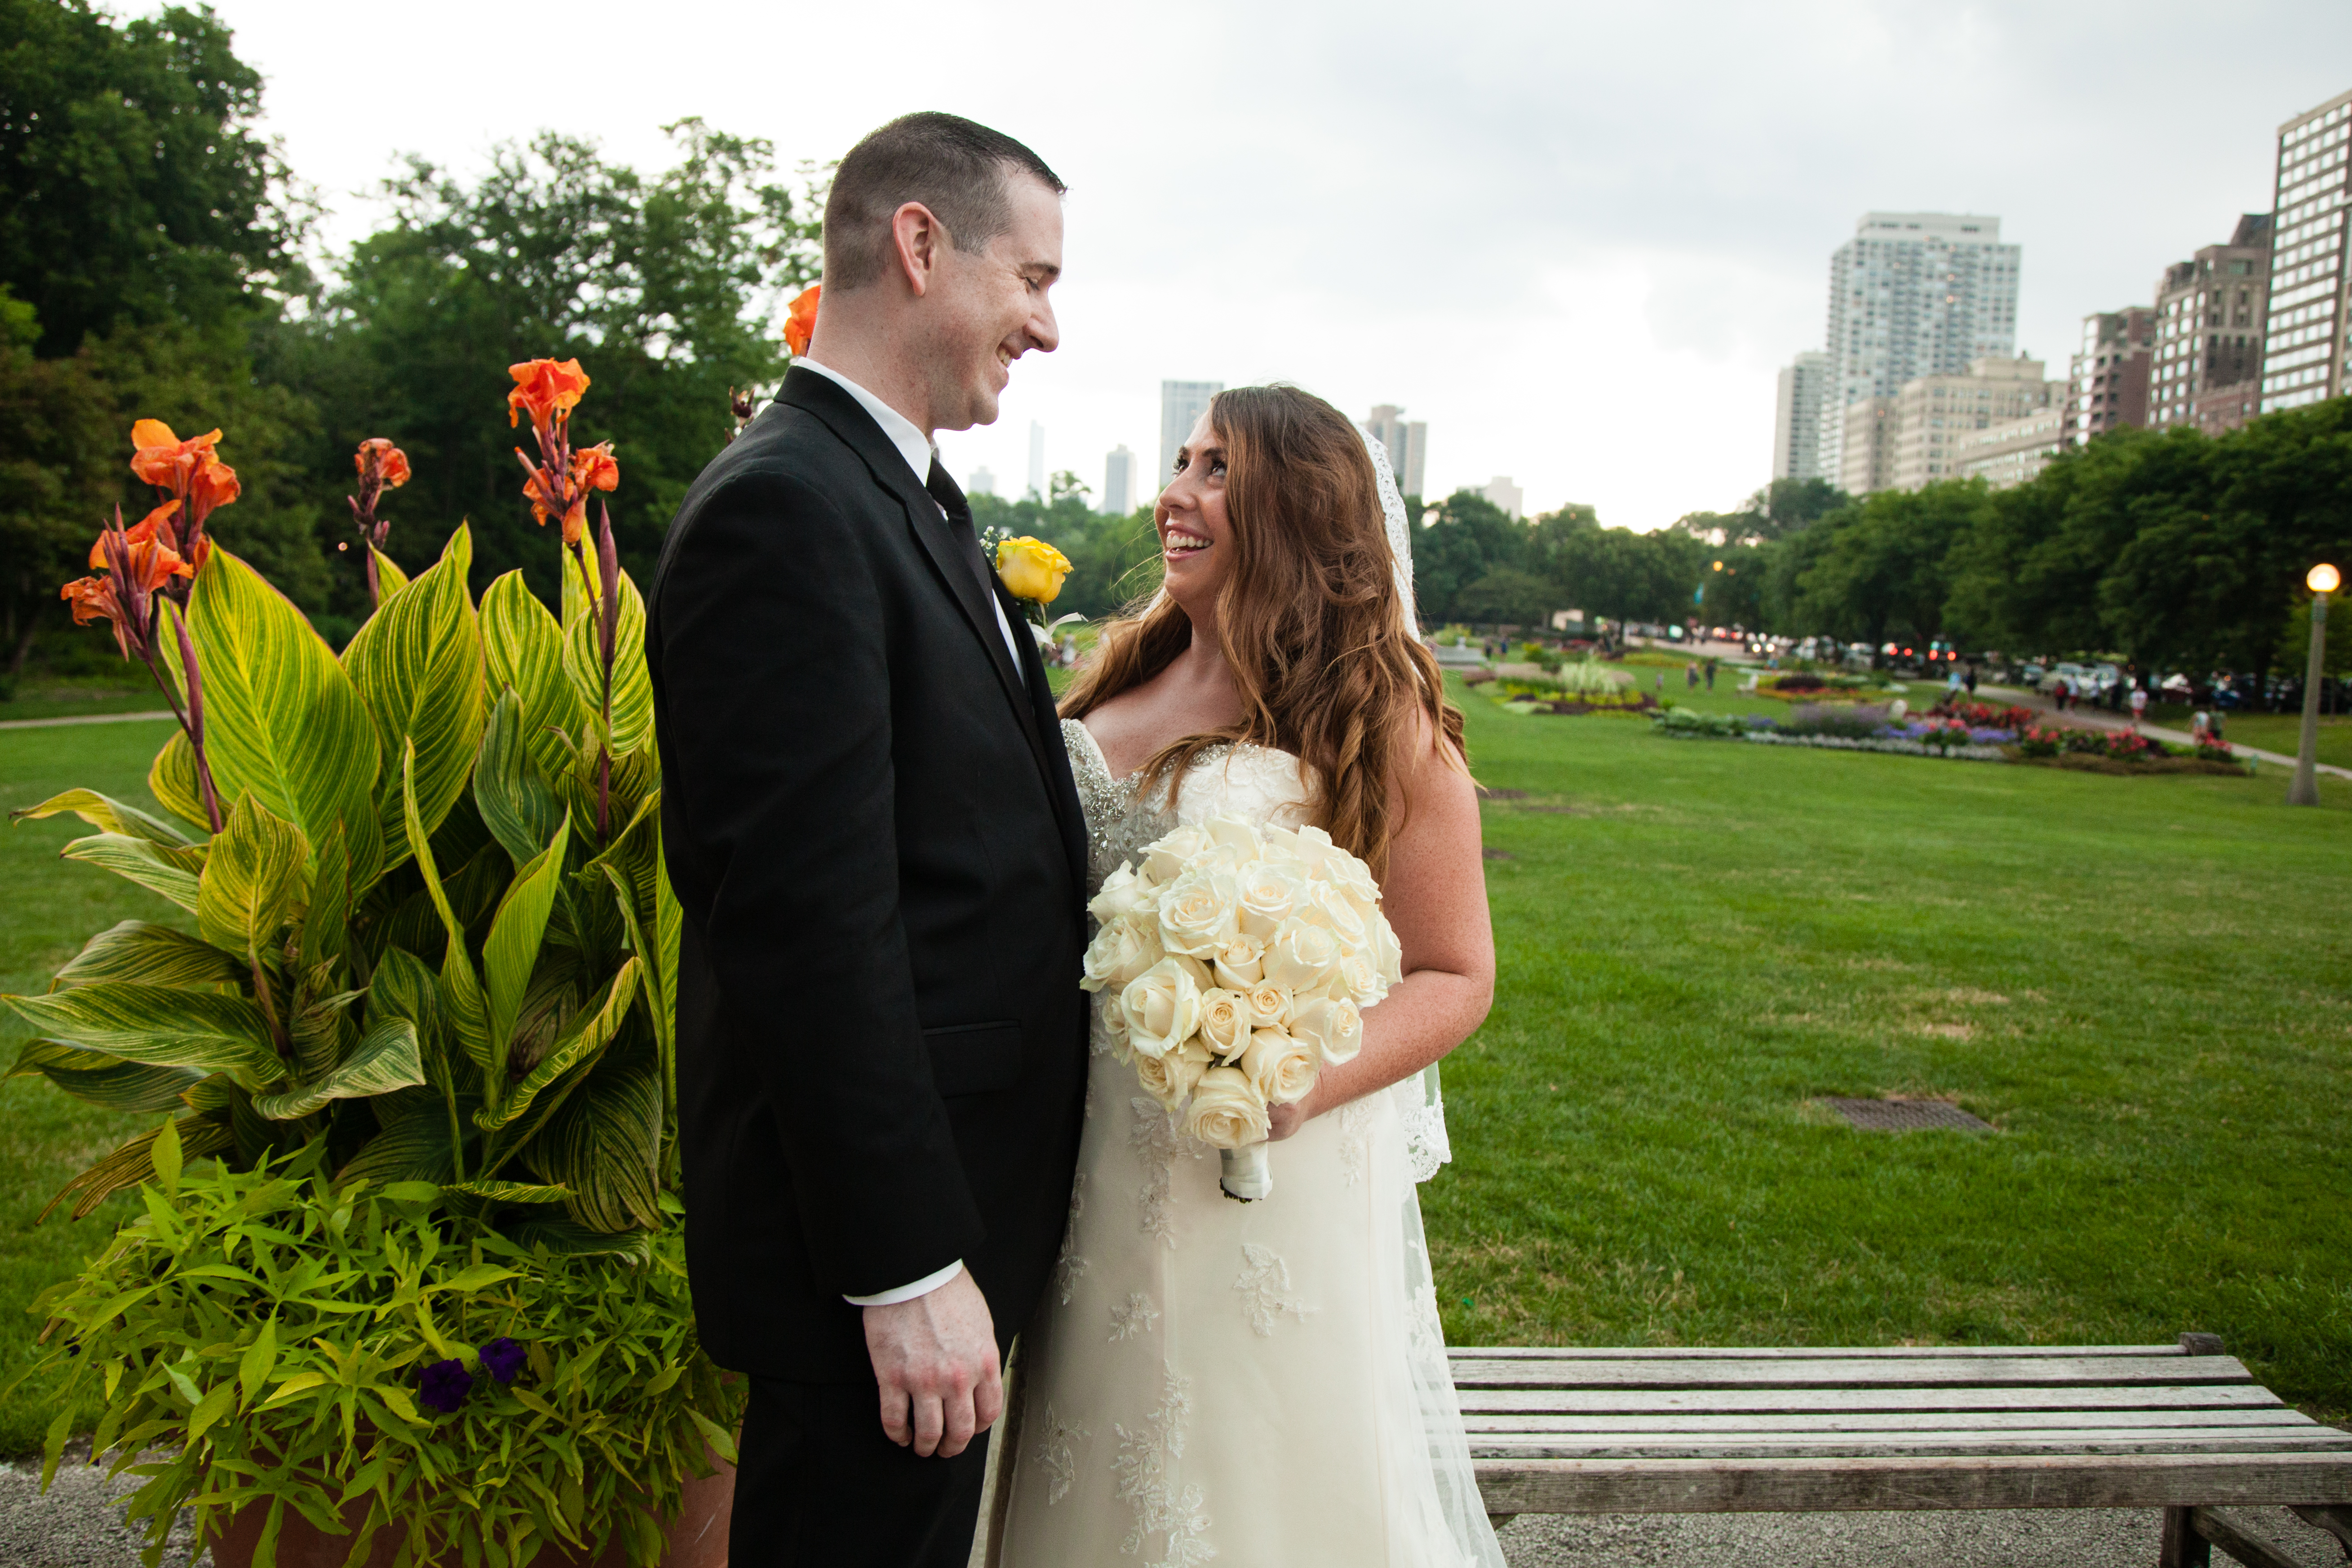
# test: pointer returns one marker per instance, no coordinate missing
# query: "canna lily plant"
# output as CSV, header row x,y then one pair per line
x,y
422,931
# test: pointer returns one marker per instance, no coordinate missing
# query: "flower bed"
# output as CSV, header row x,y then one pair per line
x,y
1805,686
2122,752
1545,697
1844,730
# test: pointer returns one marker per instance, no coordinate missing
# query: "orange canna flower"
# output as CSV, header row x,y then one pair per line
x,y
594,466
392,463
213,484
93,599
544,388
161,458
800,320
140,532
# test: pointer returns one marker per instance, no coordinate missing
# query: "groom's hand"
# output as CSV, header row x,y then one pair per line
x,y
935,1359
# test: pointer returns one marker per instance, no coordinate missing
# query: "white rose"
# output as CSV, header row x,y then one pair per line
x,y
1196,913
1302,955
1237,835
1314,848
1227,1110
1281,845
1352,876
1357,979
1120,952
1224,1022
1169,1079
1270,893
1269,1006
1162,1007
1282,1068
1333,1026
1123,893
1239,965
1342,916
1165,861
1386,956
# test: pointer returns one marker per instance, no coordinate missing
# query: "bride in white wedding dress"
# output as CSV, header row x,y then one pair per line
x,y
1265,1383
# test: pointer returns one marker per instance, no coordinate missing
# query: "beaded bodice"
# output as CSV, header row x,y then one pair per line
x,y
1123,815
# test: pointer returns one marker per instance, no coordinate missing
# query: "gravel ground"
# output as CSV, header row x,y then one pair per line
x,y
77,1525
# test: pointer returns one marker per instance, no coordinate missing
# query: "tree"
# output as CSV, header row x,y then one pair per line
x,y
1786,507
136,188
1455,544
1617,572
664,288
55,421
1883,568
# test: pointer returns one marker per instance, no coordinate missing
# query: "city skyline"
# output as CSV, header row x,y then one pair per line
x,y
1689,172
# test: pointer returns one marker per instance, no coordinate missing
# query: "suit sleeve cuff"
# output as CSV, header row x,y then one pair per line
x,y
923,1287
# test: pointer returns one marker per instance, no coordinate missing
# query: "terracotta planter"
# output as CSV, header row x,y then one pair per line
x,y
698,1537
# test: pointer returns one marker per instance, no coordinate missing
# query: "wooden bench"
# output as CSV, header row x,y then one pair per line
x,y
2181,1427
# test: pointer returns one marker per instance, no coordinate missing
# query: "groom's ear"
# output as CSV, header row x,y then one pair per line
x,y
917,239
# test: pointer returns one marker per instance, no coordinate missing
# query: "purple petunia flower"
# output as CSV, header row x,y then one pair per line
x,y
502,1359
444,1385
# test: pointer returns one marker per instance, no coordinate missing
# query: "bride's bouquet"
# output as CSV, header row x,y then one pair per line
x,y
1239,961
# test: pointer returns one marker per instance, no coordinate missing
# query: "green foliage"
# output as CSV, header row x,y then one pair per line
x,y
268,1334
430,941
1879,569
1114,560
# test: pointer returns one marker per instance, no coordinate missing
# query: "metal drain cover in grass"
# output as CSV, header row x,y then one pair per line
x,y
1906,1115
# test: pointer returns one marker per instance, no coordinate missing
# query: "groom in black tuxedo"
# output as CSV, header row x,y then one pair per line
x,y
869,822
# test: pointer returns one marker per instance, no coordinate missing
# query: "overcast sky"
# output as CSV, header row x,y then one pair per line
x,y
1578,240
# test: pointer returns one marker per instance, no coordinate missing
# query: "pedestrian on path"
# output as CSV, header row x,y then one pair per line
x,y
1690,676
2138,705
2059,692
1971,681
1710,672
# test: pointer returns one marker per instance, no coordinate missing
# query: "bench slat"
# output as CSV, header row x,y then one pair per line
x,y
1809,1486
1796,1352
1899,1421
1840,1445
1598,1401
1987,1371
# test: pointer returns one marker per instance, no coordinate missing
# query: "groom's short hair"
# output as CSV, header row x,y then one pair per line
x,y
961,171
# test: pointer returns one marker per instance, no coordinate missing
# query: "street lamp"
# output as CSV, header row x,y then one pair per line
x,y
2322,580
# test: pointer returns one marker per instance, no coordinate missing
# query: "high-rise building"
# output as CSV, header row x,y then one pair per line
x,y
2209,329
981,483
1119,482
1500,491
1036,459
1182,403
1865,450
1933,413
1407,441
1912,294
2106,385
1797,417
2009,453
2309,325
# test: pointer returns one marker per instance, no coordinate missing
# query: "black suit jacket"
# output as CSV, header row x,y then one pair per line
x,y
869,822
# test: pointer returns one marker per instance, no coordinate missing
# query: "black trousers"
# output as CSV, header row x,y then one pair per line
x,y
820,1486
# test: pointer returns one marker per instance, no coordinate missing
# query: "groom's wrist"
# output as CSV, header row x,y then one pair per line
x,y
908,1292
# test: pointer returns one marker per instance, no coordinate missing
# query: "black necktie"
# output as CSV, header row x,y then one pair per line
x,y
950,499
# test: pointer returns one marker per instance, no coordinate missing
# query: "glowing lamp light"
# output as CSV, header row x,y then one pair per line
x,y
2323,579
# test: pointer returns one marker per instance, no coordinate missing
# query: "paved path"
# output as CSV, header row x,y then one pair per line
x,y
83,719
2100,719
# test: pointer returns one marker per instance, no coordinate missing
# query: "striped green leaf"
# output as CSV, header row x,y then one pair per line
x,y
516,933
385,1059
523,646
668,919
256,878
134,1162
415,1146
602,1143
389,578
511,1192
417,664
516,804
282,720
584,1036
174,873
324,923
159,1026
633,687
563,1238
173,781
104,1080
150,954
461,993
106,815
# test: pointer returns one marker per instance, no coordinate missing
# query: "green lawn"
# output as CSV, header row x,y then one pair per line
x,y
46,910
2140,982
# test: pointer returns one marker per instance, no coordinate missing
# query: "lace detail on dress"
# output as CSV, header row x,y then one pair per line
x,y
1070,1267
1354,1140
1054,1454
1155,1140
1264,1288
1139,1316
1422,1111
1147,1479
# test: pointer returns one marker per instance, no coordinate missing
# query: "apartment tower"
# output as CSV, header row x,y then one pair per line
x,y
1911,294
2107,387
1407,441
2208,332
1182,403
2309,319
1797,417
1119,482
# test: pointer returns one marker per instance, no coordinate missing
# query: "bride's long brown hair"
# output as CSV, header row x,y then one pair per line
x,y
1308,621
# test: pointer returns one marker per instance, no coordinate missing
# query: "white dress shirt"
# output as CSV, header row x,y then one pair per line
x,y
917,450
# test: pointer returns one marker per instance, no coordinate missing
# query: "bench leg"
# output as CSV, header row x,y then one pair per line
x,y
2182,1547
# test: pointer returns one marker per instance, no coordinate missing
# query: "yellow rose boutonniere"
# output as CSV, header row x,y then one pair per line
x,y
1032,569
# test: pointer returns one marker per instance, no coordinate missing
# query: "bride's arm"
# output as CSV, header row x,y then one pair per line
x,y
1435,896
